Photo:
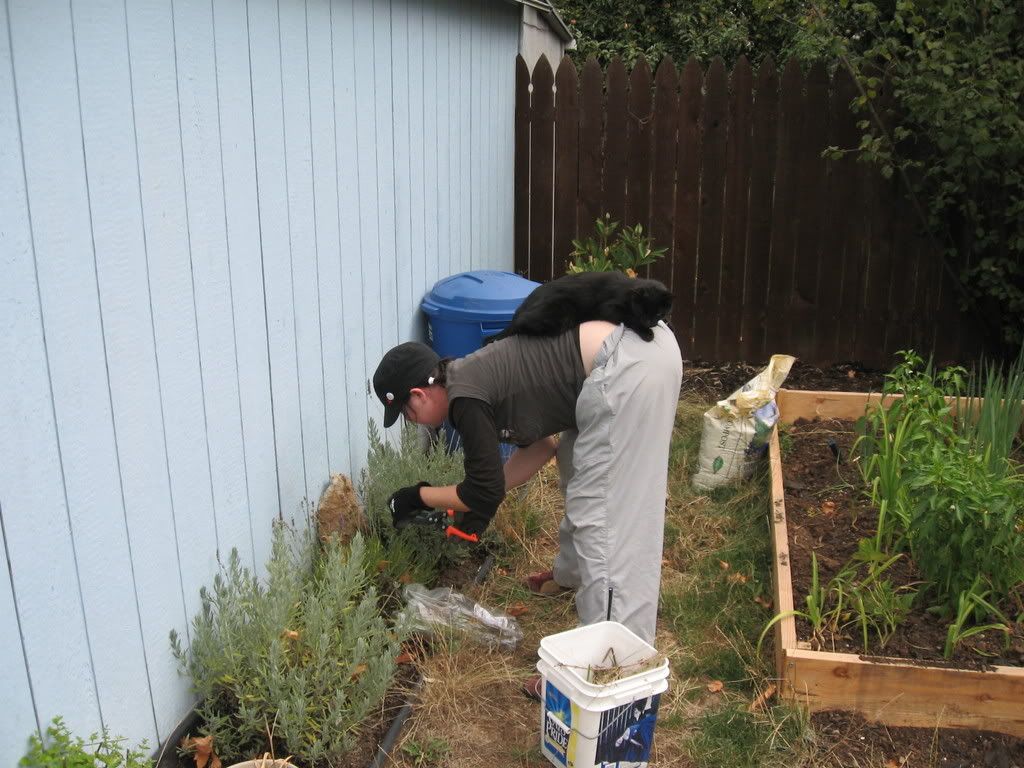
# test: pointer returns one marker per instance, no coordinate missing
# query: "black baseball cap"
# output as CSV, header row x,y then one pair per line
x,y
406,366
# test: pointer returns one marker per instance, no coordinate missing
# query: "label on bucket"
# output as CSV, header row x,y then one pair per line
x,y
627,732
557,724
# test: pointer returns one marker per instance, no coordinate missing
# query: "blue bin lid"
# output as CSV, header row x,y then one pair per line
x,y
485,294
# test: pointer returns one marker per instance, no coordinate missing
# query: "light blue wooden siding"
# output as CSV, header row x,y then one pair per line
x,y
215,217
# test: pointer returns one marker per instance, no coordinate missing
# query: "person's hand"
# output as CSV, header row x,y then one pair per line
x,y
406,502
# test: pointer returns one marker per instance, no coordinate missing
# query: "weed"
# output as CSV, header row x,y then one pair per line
x,y
59,749
430,752
969,603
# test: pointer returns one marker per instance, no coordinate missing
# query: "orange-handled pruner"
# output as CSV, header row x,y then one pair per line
x,y
451,530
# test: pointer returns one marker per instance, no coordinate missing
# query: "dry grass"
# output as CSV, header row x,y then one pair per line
x,y
471,708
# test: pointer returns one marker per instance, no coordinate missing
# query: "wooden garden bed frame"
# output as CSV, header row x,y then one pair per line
x,y
887,690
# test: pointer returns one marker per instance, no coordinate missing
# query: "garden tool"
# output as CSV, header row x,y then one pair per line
x,y
447,520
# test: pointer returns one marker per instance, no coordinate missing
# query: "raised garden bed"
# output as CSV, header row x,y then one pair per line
x,y
891,690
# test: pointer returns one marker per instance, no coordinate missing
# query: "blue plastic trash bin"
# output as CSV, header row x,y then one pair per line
x,y
464,309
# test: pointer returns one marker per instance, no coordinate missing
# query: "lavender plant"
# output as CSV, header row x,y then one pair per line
x,y
295,663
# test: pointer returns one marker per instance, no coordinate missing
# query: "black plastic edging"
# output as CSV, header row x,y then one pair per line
x,y
388,742
166,755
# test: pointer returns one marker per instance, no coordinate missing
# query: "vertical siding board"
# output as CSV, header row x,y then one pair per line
x,y
566,163
684,269
109,141
810,197
244,245
542,115
412,19
58,194
474,147
385,172
19,710
521,176
302,211
442,124
591,156
34,513
765,141
328,262
464,225
204,190
271,179
663,165
638,147
366,163
737,188
162,192
357,317
615,147
431,177
712,189
399,45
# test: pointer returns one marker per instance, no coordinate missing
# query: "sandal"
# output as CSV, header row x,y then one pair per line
x,y
533,687
544,584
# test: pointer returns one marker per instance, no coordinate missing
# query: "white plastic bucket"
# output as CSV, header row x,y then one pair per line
x,y
586,724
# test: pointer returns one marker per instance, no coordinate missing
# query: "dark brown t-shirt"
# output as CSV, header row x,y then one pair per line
x,y
517,390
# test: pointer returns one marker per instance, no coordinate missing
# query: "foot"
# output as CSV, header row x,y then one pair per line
x,y
533,687
544,584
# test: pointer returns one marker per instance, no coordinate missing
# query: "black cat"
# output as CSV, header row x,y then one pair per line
x,y
556,306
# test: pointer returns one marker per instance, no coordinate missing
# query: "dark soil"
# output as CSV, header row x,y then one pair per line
x,y
851,740
827,514
712,382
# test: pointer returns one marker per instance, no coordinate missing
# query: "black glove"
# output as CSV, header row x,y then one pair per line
x,y
406,502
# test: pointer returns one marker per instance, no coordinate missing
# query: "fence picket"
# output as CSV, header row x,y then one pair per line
x,y
712,188
638,147
687,204
521,181
588,208
663,166
737,185
808,256
758,245
615,149
841,192
566,163
784,214
542,114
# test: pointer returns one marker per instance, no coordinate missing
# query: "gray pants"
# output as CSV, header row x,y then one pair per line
x,y
614,473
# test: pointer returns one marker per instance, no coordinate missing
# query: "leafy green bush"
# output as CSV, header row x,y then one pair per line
x,y
101,750
416,552
626,252
937,489
299,660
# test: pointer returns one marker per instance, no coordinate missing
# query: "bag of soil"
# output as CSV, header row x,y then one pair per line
x,y
736,429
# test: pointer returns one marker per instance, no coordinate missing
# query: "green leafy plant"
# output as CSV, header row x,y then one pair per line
x,y
822,613
627,251
293,664
874,603
991,415
431,752
60,749
417,552
969,604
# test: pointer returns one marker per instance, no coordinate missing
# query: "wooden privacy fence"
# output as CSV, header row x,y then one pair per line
x,y
771,247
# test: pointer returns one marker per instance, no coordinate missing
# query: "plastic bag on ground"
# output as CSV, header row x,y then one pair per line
x,y
736,429
444,609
